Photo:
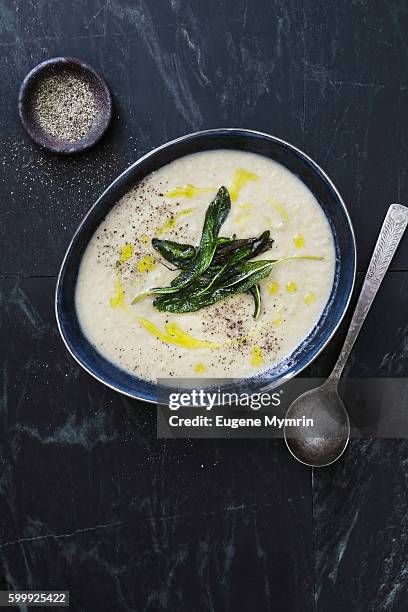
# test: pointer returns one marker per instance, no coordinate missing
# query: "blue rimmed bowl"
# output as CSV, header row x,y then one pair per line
x,y
246,140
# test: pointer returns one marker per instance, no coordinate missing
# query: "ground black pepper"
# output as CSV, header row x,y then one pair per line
x,y
65,106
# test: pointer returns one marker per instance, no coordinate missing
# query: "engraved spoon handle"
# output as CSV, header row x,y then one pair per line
x,y
388,240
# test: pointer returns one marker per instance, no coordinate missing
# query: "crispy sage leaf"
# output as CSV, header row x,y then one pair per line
x,y
256,294
176,253
180,255
239,279
248,250
215,216
188,301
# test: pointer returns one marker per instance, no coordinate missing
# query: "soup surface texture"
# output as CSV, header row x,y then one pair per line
x,y
224,339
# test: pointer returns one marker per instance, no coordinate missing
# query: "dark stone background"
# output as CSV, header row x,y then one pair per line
x,y
90,501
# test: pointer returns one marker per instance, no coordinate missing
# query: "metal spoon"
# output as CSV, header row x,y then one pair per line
x,y
327,439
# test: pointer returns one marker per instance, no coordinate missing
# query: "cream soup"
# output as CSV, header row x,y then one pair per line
x,y
224,339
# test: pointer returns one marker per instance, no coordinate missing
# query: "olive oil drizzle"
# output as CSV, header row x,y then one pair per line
x,y
173,334
188,191
240,179
170,223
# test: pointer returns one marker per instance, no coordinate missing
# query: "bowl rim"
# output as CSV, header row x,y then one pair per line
x,y
282,379
64,148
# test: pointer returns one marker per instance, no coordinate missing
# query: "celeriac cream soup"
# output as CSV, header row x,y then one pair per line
x,y
222,339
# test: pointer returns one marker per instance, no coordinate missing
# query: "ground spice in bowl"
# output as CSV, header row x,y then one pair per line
x,y
64,105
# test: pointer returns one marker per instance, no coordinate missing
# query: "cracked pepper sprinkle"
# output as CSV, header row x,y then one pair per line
x,y
65,106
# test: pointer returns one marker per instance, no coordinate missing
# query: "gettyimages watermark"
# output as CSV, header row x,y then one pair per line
x,y
228,408
208,399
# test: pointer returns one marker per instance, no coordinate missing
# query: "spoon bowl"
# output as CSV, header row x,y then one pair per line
x,y
317,428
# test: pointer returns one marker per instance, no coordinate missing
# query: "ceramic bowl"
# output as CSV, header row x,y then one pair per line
x,y
103,101
247,140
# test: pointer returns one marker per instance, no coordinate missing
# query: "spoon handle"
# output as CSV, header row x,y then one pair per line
x,y
388,240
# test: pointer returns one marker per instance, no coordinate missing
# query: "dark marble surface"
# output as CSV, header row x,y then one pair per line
x,y
90,501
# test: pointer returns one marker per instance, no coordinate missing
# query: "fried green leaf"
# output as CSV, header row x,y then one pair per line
x,y
188,301
215,216
176,253
256,294
239,279
249,249
180,255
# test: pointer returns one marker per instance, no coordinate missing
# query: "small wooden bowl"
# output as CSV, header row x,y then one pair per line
x,y
103,101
